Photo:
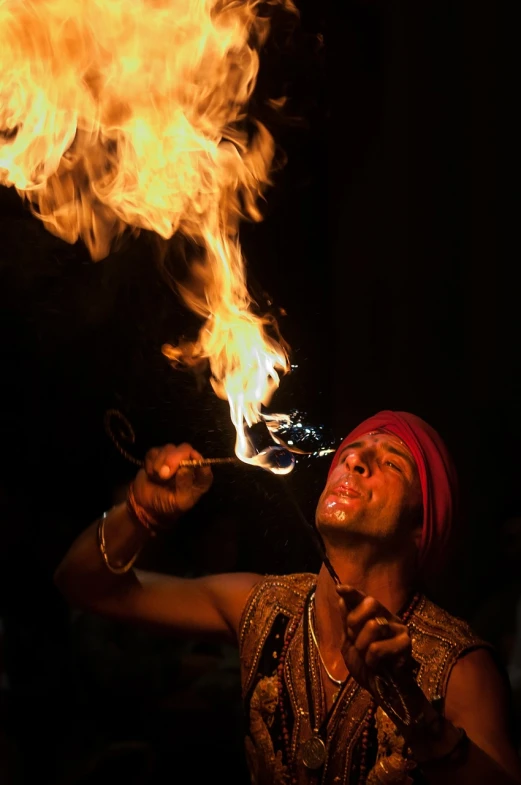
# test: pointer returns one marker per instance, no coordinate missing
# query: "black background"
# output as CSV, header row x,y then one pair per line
x,y
390,240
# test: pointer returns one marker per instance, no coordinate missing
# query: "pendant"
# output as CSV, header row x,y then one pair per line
x,y
313,752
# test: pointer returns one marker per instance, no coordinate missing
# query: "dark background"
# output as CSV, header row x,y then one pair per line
x,y
390,240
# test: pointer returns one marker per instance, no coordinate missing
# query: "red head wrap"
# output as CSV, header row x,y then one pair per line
x,y
437,474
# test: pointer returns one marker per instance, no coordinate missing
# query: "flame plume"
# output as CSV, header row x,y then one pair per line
x,y
123,115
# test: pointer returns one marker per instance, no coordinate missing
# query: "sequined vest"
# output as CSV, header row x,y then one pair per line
x,y
276,732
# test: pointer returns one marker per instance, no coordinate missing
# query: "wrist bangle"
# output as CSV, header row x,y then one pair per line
x,y
139,514
115,569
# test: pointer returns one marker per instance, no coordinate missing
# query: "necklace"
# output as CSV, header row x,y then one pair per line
x,y
316,748
311,606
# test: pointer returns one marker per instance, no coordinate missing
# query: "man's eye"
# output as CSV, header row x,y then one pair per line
x,y
393,465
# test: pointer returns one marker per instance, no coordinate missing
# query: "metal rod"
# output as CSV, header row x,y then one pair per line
x,y
234,459
208,462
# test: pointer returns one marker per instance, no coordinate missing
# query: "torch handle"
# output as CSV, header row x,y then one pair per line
x,y
208,462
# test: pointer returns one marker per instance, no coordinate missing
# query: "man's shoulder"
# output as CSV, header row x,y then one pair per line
x,y
273,602
283,590
277,594
297,582
431,619
439,639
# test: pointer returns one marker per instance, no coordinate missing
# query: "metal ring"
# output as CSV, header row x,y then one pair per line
x,y
383,624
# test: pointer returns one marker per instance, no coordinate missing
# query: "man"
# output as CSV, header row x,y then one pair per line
x,y
351,676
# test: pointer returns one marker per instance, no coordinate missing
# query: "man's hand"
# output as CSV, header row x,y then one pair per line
x,y
166,490
374,639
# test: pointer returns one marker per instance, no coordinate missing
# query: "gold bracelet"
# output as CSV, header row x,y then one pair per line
x,y
103,550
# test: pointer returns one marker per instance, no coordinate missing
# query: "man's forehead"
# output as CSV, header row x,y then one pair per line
x,y
386,439
382,436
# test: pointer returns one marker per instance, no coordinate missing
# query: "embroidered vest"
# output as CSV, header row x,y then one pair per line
x,y
438,640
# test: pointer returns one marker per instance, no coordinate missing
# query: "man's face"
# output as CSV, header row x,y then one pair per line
x,y
374,490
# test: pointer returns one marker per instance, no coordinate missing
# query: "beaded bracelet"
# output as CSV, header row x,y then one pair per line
x,y
116,570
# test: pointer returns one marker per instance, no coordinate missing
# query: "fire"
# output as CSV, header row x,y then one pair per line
x,y
123,115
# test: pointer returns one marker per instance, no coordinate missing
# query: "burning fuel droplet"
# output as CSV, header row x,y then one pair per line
x,y
277,460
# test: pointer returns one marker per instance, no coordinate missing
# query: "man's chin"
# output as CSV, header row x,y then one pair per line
x,y
339,523
332,516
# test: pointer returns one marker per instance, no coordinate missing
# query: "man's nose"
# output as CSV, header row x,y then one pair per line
x,y
358,462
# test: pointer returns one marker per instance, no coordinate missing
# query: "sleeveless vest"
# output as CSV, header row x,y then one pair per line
x,y
438,640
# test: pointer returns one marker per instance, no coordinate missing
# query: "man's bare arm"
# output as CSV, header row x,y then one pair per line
x,y
161,493
477,701
208,607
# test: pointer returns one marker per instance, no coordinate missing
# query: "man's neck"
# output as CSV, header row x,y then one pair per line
x,y
387,582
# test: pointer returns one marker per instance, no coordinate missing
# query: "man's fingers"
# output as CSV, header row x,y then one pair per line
x,y
150,458
367,609
351,596
165,461
373,631
203,477
391,650
203,474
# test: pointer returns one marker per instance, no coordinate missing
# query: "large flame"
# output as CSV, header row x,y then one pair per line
x,y
130,114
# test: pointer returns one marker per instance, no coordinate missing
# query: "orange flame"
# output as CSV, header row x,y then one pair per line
x,y
118,115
